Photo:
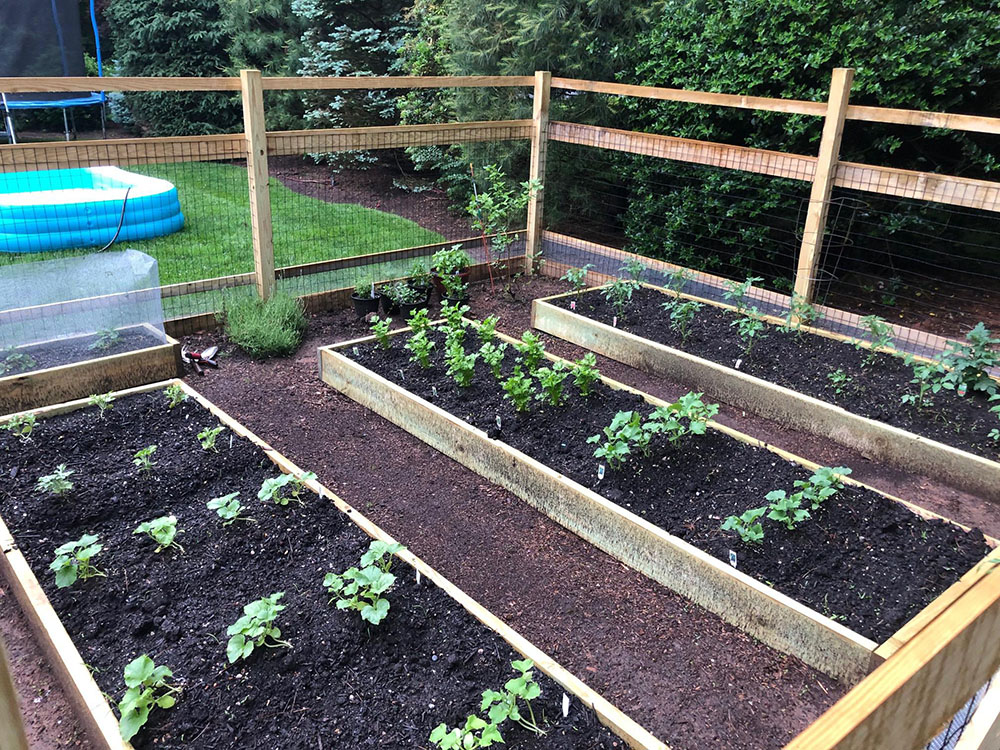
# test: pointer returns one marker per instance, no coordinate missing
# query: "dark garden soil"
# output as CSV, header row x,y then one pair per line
x,y
76,349
342,684
803,363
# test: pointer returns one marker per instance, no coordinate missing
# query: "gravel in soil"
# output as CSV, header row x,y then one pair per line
x,y
76,349
852,561
343,683
804,362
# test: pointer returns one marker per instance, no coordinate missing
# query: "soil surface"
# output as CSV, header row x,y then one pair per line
x,y
873,385
76,349
342,682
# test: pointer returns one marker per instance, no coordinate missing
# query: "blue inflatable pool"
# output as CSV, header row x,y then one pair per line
x,y
58,209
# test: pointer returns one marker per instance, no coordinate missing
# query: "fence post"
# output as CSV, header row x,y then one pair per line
x,y
819,196
260,194
11,726
539,147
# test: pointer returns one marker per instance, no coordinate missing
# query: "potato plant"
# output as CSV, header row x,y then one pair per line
x,y
143,459
228,508
57,483
73,561
361,589
146,688
176,395
104,402
585,373
256,628
163,531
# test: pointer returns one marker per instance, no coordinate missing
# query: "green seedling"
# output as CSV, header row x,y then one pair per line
x,y
256,628
21,426
504,705
519,389
969,363
531,349
419,321
208,436
461,366
689,415
228,508
676,280
577,277
273,490
929,377
146,688
800,313
585,373
737,293
551,380
163,531
634,268
488,329
879,336
619,294
453,314
625,429
57,483
175,395
144,459
14,360
104,402
786,508
380,329
840,380
420,346
362,589
106,338
821,486
750,328
475,733
682,315
995,433
493,354
73,561
747,525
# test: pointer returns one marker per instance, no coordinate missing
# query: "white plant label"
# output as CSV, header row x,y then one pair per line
x,y
356,352
434,390
614,322
499,423
565,705
418,577
732,558
401,375
738,363
600,472
572,304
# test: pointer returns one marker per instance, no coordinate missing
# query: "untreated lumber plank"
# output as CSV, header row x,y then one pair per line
x,y
257,181
305,83
12,735
536,166
120,151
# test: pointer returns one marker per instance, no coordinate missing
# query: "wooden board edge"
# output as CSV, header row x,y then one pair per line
x,y
983,730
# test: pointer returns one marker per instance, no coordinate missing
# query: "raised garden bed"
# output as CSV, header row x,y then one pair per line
x,y
60,370
662,514
787,378
342,682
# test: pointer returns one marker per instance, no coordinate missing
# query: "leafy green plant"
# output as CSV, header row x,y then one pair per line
x,y
879,336
493,354
800,313
362,589
56,483
585,373
73,561
737,293
634,268
273,490
929,379
577,277
21,425
208,436
419,321
451,260
551,380
256,628
228,508
495,207
531,349
519,389
420,275
104,402
454,314
420,346
747,525
380,329
461,366
264,329
625,429
487,329
475,733
175,394
143,459
619,294
822,485
682,315
15,361
969,363
454,288
994,434
163,531
105,338
786,509
676,280
689,415
365,288
506,704
749,328
146,688
840,380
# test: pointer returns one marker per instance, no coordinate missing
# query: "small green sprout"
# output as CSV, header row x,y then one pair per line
x,y
380,328
420,345
144,459
106,338
840,380
969,363
21,426
163,531
624,429
273,489
822,485
208,436
14,360
585,373
519,389
501,706
747,525
749,327
453,314
72,561
786,508
361,589
577,277
228,508
146,688
634,268
476,733
682,315
104,402
737,293
879,336
56,483
551,380
419,320
995,433
531,349
488,329
929,379
619,294
175,394
256,628
800,313
460,365
493,354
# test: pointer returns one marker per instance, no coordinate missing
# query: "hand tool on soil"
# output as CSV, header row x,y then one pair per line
x,y
197,359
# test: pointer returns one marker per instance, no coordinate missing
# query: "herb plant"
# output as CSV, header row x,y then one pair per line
x,y
105,339
146,688
487,329
493,354
879,336
577,277
969,363
840,380
228,508
365,288
786,508
175,395
682,314
551,380
531,349
737,293
256,628
56,483
454,287
144,459
585,373
163,531
419,320
101,401
747,525
361,589
519,389
380,328
749,327
634,268
420,346
619,294
21,426
461,366
73,561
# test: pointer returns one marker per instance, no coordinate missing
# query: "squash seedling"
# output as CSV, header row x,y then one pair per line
x,y
146,688
585,373
175,395
475,733
105,339
21,426
143,459
256,628
519,389
493,354
747,525
380,329
228,508
501,706
273,489
14,360
163,531
57,483
208,436
361,589
72,561
103,401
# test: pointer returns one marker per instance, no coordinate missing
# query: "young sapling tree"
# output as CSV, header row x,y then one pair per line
x,y
531,349
228,508
493,354
175,395
73,561
103,401
208,436
163,531
420,346
786,508
682,314
362,589
747,525
380,329
57,483
21,426
519,389
585,373
146,688
551,380
577,277
256,628
143,459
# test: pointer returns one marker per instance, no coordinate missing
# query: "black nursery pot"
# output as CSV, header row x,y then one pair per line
x,y
389,305
405,308
455,300
365,305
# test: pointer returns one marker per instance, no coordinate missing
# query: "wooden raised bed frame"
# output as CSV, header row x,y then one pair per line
x,y
774,618
95,713
56,385
876,440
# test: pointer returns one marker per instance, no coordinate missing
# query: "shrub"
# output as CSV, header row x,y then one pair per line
x,y
264,329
